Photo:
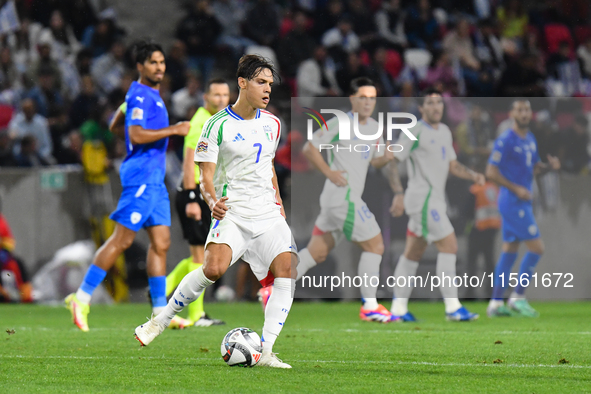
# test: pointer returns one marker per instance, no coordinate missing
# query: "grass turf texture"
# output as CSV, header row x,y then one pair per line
x,y
330,350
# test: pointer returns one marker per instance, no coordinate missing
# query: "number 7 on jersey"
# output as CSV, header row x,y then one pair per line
x,y
259,152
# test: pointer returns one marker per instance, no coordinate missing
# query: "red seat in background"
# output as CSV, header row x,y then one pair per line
x,y
554,34
6,112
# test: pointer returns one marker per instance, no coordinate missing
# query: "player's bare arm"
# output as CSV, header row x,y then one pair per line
x,y
397,207
315,157
117,125
543,168
218,207
277,194
493,173
461,171
139,135
193,210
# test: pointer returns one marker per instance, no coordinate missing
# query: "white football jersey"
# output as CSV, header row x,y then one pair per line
x,y
428,164
344,157
243,151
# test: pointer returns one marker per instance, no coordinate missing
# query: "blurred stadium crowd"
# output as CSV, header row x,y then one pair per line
x,y
67,66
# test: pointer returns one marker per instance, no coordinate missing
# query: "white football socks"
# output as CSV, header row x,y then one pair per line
x,y
494,304
369,265
306,262
83,296
276,311
187,291
514,296
156,310
405,268
446,267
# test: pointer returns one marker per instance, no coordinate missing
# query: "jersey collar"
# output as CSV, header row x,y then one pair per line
x,y
238,117
428,125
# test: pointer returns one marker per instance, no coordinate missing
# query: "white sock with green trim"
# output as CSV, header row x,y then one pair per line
x,y
369,266
405,268
446,267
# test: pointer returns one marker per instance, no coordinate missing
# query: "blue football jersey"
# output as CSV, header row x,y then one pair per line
x,y
144,163
516,159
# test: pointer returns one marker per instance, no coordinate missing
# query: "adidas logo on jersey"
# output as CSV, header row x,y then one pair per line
x,y
238,137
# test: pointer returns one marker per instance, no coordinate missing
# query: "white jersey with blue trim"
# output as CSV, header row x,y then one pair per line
x,y
352,156
243,151
428,164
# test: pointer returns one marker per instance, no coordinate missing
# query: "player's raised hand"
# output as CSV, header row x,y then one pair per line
x,y
337,178
554,162
397,208
182,128
219,209
193,211
479,179
522,193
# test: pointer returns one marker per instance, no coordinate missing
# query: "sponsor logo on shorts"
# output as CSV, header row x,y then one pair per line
x,y
137,114
135,217
202,146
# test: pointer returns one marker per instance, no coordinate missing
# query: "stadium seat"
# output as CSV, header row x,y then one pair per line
x,y
6,112
393,63
418,60
554,34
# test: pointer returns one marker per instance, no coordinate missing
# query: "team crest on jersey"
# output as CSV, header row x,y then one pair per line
x,y
202,146
268,132
137,113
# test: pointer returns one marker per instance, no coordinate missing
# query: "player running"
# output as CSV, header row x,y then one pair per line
x,y
235,155
144,201
431,157
512,164
193,211
343,213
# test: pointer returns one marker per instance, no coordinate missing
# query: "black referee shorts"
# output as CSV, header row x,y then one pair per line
x,y
193,231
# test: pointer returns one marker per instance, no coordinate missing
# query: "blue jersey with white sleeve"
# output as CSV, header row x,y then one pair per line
x,y
144,163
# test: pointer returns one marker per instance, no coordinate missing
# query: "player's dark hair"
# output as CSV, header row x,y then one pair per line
x,y
428,92
249,66
518,100
214,81
356,83
143,50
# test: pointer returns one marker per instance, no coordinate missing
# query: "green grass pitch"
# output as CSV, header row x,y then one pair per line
x,y
330,350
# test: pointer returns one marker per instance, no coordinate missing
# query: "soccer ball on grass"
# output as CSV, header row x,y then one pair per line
x,y
241,347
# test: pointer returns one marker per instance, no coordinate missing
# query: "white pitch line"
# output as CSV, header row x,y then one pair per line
x,y
349,330
425,363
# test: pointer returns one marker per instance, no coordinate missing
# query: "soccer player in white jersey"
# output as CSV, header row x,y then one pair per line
x,y
235,155
431,157
343,213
